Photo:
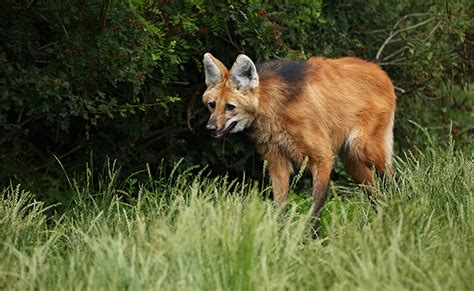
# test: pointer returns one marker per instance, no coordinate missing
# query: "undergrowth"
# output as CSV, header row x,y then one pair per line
x,y
188,231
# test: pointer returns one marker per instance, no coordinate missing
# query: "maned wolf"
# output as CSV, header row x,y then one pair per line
x,y
313,109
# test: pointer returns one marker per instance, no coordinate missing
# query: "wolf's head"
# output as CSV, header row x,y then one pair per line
x,y
231,96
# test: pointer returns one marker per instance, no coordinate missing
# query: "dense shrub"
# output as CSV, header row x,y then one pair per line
x,y
124,78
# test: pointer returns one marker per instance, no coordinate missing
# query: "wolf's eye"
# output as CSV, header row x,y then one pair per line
x,y
229,107
212,104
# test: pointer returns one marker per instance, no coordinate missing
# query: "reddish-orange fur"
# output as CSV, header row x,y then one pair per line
x,y
343,106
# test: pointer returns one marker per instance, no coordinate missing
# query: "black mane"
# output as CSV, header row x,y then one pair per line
x,y
290,71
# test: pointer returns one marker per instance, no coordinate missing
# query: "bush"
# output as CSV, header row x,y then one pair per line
x,y
124,78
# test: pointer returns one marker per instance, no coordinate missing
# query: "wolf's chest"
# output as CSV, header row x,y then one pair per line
x,y
278,140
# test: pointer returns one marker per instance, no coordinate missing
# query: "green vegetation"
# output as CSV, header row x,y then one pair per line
x,y
86,82
188,231
123,79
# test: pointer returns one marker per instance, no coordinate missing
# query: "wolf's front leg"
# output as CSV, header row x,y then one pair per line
x,y
279,167
321,171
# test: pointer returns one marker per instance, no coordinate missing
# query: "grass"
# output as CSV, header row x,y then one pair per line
x,y
191,232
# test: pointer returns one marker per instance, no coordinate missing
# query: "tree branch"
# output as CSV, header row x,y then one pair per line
x,y
394,33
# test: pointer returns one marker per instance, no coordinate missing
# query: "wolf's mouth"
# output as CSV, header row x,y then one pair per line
x,y
222,133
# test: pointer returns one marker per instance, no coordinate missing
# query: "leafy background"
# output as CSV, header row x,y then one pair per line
x,y
81,81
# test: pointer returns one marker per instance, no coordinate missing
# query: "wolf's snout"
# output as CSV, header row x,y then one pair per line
x,y
211,126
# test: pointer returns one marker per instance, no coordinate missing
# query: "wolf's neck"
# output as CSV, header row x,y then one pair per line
x,y
267,118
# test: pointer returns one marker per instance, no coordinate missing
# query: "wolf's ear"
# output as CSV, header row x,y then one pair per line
x,y
215,71
243,74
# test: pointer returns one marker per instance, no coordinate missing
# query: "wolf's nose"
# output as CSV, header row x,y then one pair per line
x,y
211,127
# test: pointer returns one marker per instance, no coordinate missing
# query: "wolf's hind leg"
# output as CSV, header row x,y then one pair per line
x,y
359,170
365,153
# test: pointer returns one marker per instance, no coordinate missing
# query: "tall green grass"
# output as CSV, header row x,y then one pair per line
x,y
191,232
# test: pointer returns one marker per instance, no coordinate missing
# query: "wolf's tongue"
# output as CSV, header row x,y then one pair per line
x,y
226,130
230,127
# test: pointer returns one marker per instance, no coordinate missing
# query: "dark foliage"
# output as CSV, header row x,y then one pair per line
x,y
83,80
